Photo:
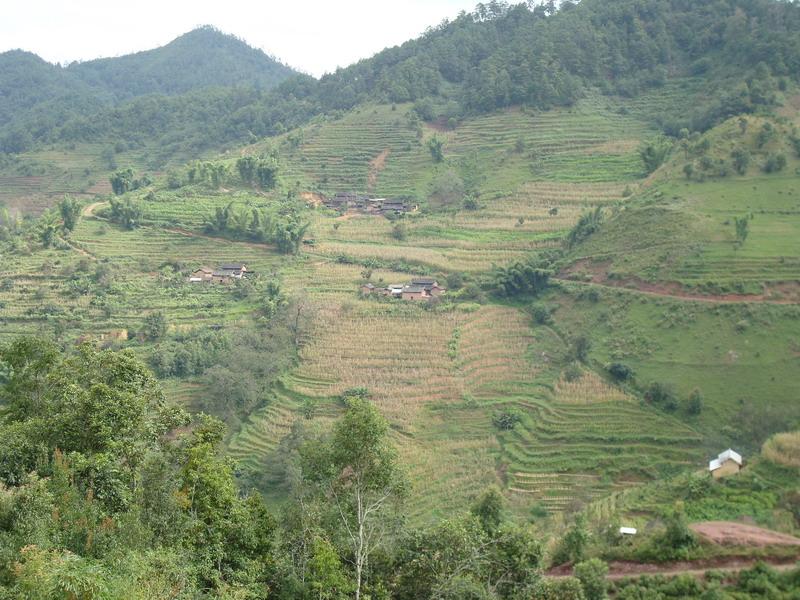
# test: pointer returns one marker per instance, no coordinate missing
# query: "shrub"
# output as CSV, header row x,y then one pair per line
x,y
659,393
783,449
774,163
565,588
741,160
592,575
541,313
580,348
399,231
694,404
620,371
505,420
572,547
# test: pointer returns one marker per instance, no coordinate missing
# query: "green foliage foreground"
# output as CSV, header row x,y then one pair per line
x,y
108,492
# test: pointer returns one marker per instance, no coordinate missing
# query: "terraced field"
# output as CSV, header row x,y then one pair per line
x,y
443,375
371,149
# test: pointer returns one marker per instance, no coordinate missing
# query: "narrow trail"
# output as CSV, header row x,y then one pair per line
x,y
675,295
621,570
194,234
88,210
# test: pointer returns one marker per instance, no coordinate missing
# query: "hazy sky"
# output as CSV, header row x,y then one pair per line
x,y
314,36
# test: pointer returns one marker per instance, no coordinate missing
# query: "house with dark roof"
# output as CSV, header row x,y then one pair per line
x,y
224,274
430,284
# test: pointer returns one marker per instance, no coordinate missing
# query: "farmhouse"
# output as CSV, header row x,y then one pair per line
x,y
224,274
430,284
414,292
727,463
418,289
201,274
235,270
351,201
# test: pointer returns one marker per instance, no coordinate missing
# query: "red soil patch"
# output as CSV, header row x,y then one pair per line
x,y
738,534
622,569
376,165
311,198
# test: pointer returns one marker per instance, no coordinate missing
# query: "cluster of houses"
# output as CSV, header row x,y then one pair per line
x,y
421,288
351,201
226,273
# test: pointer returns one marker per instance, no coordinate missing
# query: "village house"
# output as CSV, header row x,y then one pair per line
x,y
201,274
430,284
415,292
727,463
351,201
423,288
224,274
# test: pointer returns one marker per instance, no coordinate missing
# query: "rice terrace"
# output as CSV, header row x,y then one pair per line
x,y
509,311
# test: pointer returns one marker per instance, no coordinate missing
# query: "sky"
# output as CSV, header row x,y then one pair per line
x,y
314,36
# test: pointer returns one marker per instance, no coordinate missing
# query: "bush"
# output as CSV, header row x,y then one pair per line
x,y
506,420
694,404
541,313
620,371
399,231
659,393
592,575
774,163
565,588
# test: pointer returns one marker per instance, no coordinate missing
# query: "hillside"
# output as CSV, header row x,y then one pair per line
x,y
534,175
617,233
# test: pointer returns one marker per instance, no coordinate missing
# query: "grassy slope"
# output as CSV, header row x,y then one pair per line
x,y
440,375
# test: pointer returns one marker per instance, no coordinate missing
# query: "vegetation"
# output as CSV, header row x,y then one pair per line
x,y
590,184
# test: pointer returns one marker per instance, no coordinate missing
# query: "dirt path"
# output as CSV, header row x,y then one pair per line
x,y
88,211
79,250
193,234
733,564
376,165
675,292
740,534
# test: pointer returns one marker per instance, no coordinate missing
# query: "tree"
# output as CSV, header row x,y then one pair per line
x,y
741,160
127,212
580,348
70,210
326,578
654,153
620,371
774,163
572,546
694,404
357,470
488,508
592,575
155,325
742,225
436,148
688,170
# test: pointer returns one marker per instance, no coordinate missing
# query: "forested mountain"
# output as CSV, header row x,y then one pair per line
x,y
202,58
40,101
497,56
